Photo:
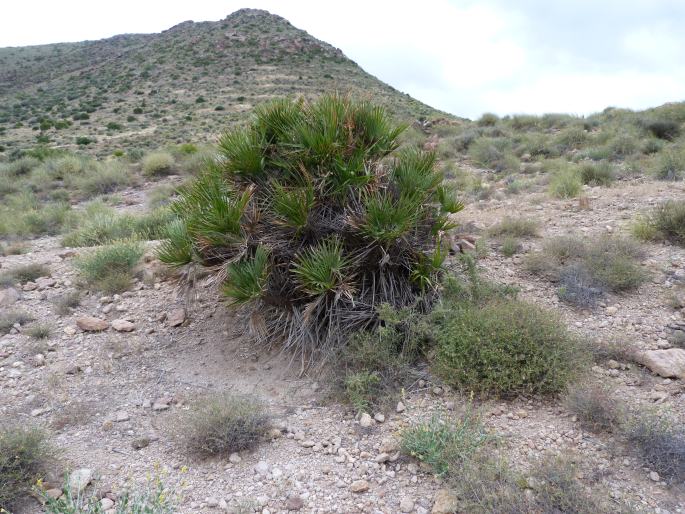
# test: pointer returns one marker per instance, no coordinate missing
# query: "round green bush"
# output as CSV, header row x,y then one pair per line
x,y
506,347
158,163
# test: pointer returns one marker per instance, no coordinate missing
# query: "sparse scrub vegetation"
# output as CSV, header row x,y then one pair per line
x,y
665,223
514,227
65,303
158,163
25,456
9,318
24,273
565,182
592,403
585,269
39,331
110,268
445,443
224,424
596,173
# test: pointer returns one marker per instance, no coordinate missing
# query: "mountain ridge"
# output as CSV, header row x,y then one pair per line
x,y
187,81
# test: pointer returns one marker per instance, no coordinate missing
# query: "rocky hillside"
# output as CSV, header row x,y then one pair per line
x,y
183,84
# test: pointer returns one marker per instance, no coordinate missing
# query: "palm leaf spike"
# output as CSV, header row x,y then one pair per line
x,y
322,268
177,248
246,279
448,200
292,205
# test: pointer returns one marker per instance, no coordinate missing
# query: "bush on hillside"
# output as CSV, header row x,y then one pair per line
x,y
158,163
309,223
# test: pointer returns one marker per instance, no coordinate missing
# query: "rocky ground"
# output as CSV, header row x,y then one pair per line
x,y
117,372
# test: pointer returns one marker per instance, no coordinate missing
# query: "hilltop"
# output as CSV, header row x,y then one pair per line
x,y
186,83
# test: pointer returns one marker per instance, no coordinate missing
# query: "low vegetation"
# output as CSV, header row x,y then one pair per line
x,y
224,424
9,318
25,457
445,444
24,273
110,268
158,163
586,269
665,223
514,227
594,406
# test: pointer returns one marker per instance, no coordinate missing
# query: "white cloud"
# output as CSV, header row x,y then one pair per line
x,y
462,56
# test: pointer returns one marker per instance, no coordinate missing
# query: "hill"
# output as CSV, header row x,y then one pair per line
x,y
183,84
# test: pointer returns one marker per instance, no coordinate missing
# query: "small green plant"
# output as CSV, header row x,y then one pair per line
x,y
39,331
158,163
110,268
515,227
24,458
445,443
362,389
596,173
506,347
510,246
152,498
669,164
223,424
665,222
565,183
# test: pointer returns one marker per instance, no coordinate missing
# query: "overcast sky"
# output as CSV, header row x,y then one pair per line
x,y
462,56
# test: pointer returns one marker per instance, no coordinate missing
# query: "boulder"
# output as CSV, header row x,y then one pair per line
x,y
667,363
91,324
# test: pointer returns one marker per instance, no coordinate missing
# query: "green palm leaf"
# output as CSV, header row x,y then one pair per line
x,y
321,269
246,279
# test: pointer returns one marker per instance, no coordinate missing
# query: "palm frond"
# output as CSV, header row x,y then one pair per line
x,y
448,200
414,172
321,269
242,152
246,279
387,218
177,248
292,205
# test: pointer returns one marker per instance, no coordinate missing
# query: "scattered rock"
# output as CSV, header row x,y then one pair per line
x,y
91,324
379,417
262,468
294,502
106,504
176,317
667,363
234,458
121,416
407,505
654,476
159,405
53,493
400,407
79,480
123,325
445,502
365,420
140,443
359,486
9,296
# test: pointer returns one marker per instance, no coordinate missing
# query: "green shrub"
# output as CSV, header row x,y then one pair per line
x,y
39,331
585,269
597,174
488,120
110,268
495,154
224,424
299,207
104,179
158,163
669,164
516,227
623,145
445,444
664,129
665,222
506,347
571,138
24,458
565,182
510,246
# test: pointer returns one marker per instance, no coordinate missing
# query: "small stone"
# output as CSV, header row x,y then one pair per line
x,y
106,503
654,476
9,296
359,486
382,457
160,405
91,324
400,407
121,416
176,317
70,331
294,502
308,443
612,364
365,420
123,325
437,391
79,480
406,505
212,502
611,310
380,418
53,493
234,458
262,467
445,502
